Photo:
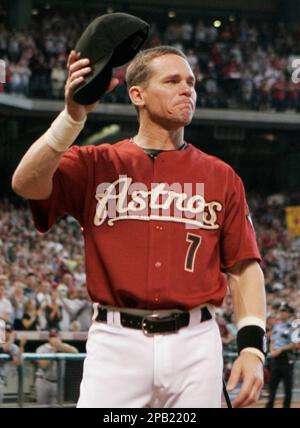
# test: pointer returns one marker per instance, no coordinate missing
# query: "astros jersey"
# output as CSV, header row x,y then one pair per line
x,y
158,233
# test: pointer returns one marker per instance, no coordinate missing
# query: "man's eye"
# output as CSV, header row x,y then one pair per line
x,y
172,81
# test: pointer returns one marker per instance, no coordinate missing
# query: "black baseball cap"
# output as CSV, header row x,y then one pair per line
x,y
285,307
109,41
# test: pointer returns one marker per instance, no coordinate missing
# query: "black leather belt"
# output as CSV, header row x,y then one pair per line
x,y
153,323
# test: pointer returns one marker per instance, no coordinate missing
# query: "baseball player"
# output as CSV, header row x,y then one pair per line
x,y
14,351
46,374
163,223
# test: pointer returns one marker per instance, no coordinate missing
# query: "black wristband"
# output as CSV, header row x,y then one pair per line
x,y
252,336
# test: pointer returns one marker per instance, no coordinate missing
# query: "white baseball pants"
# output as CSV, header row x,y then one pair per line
x,y
124,368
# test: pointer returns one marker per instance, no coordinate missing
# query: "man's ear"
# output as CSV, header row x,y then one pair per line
x,y
136,96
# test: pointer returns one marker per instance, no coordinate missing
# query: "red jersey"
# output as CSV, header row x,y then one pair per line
x,y
158,233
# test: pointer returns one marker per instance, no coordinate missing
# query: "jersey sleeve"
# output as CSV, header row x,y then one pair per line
x,y
68,192
238,239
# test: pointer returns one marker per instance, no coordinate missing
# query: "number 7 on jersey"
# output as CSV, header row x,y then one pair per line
x,y
195,242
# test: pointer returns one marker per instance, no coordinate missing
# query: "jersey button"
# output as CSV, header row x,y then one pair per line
x,y
157,264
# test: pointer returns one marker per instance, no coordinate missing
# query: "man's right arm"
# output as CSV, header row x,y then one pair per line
x,y
33,176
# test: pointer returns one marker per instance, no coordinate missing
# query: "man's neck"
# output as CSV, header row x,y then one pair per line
x,y
159,139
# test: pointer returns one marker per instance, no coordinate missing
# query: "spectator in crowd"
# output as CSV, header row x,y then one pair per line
x,y
42,293
14,351
187,32
40,86
47,374
192,59
31,282
75,307
32,317
85,310
18,301
278,91
281,349
53,311
6,309
58,78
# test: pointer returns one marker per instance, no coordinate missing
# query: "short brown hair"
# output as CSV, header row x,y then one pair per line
x,y
139,71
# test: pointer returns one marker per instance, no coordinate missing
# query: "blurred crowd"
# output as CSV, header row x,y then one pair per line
x,y
42,279
281,263
237,65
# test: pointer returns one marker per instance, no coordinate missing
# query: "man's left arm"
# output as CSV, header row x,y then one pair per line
x,y
246,282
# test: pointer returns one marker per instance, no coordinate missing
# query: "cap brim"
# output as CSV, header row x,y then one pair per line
x,y
95,83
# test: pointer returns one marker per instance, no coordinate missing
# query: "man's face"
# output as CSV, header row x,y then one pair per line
x,y
170,96
284,315
68,279
46,286
31,281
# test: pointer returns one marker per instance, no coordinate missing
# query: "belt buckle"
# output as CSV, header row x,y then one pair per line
x,y
144,325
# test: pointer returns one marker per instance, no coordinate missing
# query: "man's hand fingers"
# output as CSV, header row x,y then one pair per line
x,y
71,55
254,394
72,86
76,76
77,65
250,389
234,377
244,393
75,83
74,56
82,72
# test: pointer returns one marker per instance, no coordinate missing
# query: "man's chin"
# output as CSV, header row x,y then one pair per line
x,y
183,120
176,122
